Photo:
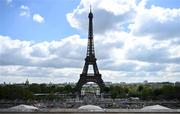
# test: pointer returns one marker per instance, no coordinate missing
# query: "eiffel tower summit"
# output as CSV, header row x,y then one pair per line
x,y
90,60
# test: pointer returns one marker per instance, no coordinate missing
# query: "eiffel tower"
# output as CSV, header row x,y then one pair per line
x,y
90,60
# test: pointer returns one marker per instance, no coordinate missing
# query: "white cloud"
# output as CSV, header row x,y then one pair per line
x,y
114,15
63,53
38,18
108,14
25,11
24,7
55,60
19,74
157,22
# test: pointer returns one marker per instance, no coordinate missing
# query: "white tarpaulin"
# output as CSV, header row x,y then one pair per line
x,y
90,107
24,108
154,107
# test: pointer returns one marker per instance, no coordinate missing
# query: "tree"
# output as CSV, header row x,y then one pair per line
x,y
140,88
68,89
106,89
35,88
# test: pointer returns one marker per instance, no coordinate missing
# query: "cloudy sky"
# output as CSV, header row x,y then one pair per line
x,y
45,40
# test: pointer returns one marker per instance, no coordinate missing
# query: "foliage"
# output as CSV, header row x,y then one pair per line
x,y
144,92
27,92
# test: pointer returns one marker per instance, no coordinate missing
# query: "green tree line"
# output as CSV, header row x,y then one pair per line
x,y
144,92
26,92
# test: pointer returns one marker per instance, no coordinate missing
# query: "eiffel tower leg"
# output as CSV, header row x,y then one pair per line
x,y
100,83
80,83
95,68
85,69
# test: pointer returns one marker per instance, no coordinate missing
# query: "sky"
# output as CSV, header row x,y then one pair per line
x,y
45,40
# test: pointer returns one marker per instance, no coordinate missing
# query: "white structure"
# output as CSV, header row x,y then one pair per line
x,y
23,108
155,107
90,107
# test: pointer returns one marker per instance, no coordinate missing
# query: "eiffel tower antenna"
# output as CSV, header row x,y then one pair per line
x,y
90,60
90,7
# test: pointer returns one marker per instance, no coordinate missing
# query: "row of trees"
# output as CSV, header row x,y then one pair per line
x,y
26,92
144,92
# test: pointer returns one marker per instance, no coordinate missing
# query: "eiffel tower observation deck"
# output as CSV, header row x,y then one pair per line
x,y
90,60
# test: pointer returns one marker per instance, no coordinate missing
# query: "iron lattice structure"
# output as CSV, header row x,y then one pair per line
x,y
90,60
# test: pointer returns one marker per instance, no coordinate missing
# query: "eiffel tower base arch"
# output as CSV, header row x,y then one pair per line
x,y
84,78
